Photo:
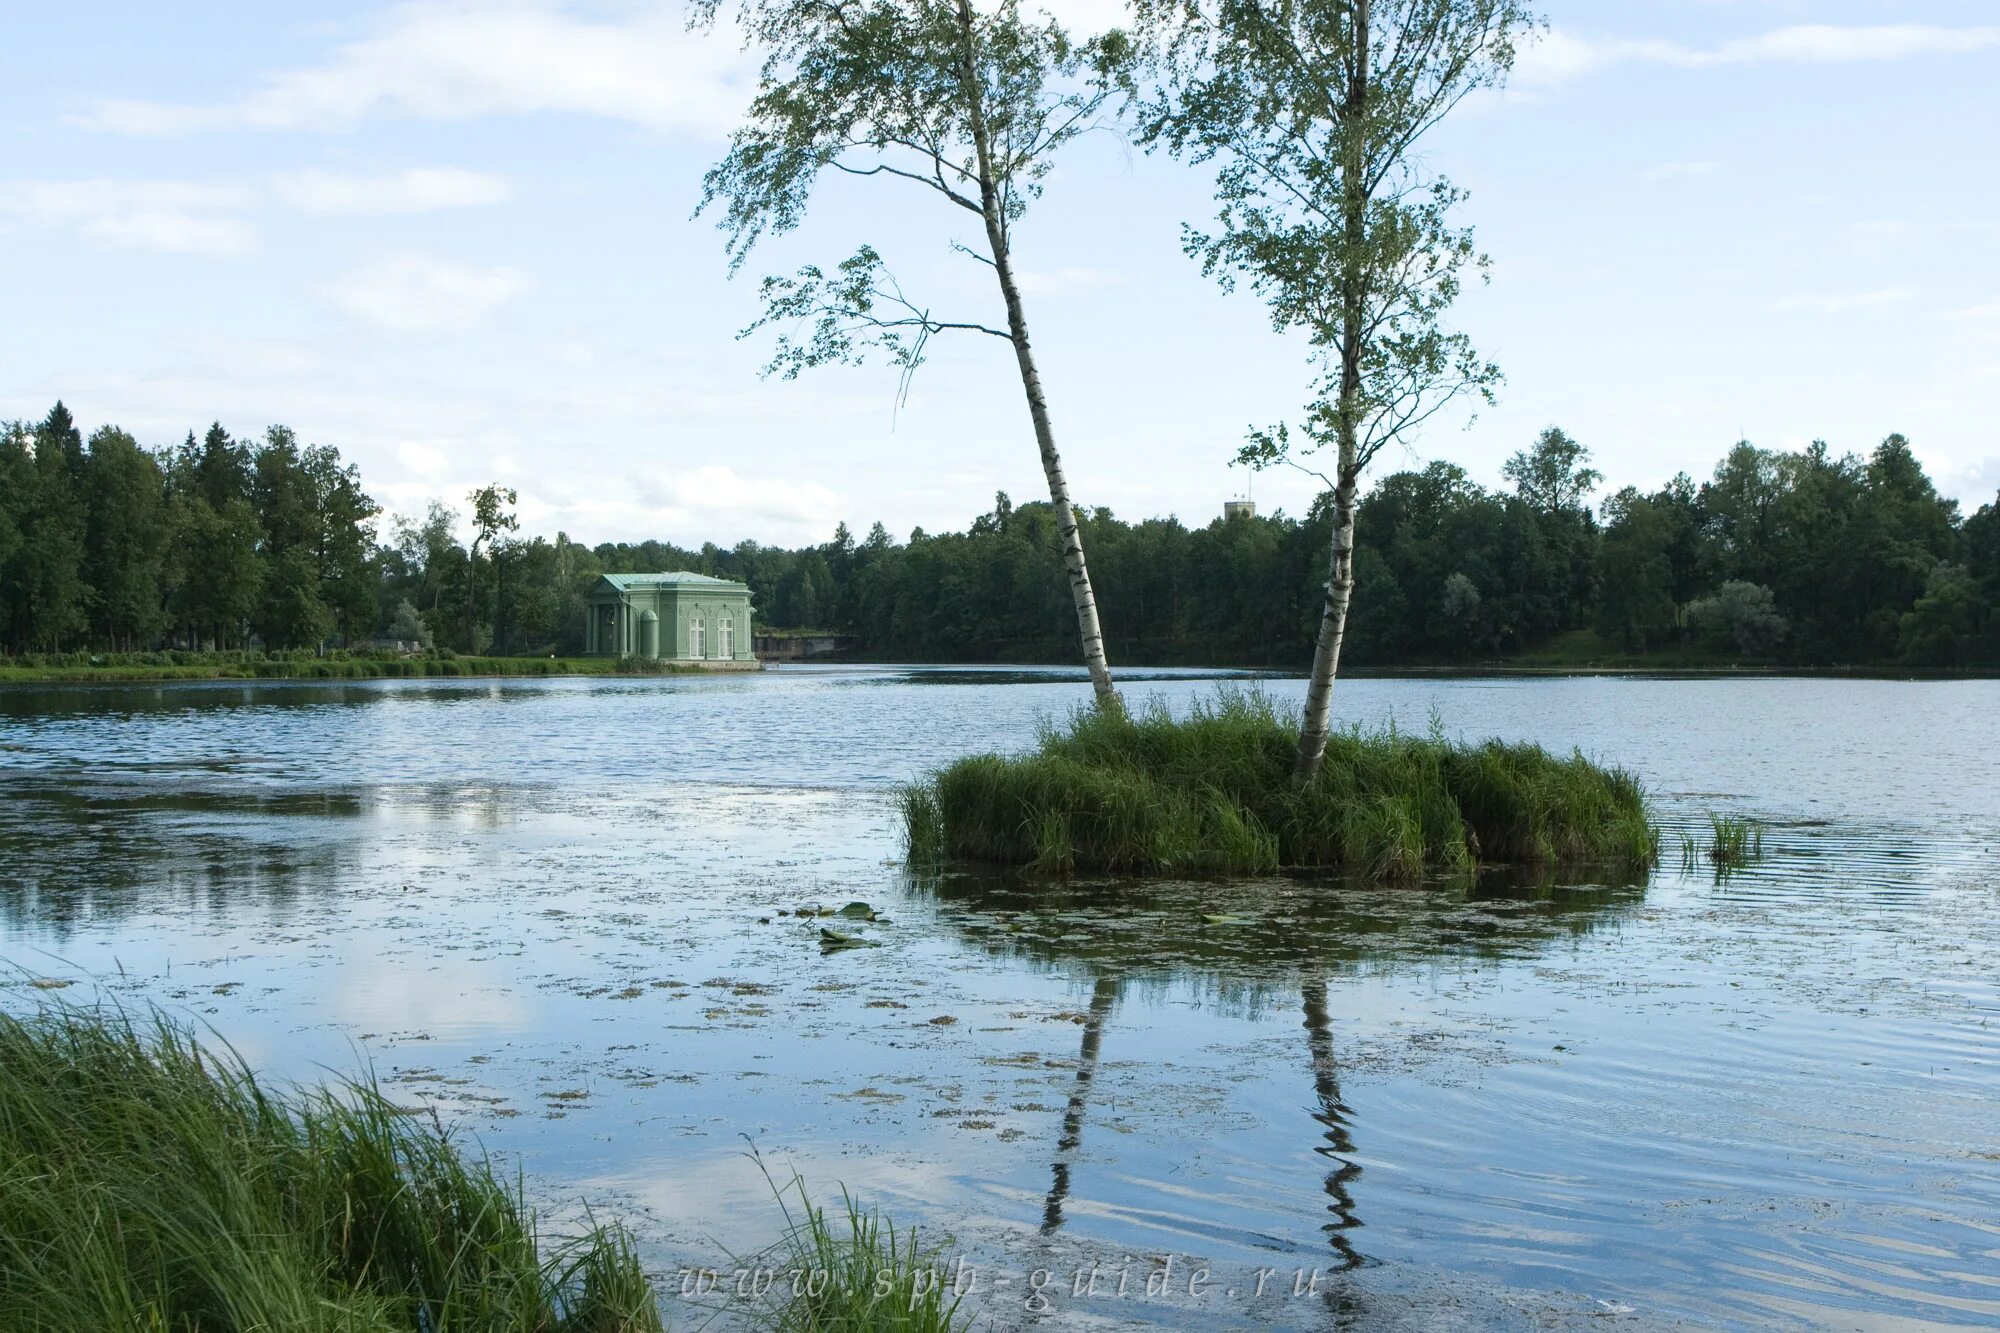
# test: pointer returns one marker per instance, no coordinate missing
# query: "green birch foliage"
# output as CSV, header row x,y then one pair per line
x,y
1310,112
890,89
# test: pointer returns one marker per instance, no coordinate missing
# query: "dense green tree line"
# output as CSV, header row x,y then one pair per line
x,y
1807,558
105,544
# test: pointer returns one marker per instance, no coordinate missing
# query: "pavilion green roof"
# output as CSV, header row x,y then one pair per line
x,y
679,577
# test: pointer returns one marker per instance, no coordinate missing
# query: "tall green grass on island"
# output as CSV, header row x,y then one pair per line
x,y
148,1182
1212,794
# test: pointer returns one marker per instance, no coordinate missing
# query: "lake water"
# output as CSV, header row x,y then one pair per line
x,y
561,911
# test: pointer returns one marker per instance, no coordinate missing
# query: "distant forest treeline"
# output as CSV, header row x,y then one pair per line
x,y
1808,558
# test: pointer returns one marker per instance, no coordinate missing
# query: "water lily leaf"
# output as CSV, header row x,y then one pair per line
x,y
858,911
830,938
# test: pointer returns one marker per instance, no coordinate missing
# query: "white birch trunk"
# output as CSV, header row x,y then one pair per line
x,y
1074,564
1316,723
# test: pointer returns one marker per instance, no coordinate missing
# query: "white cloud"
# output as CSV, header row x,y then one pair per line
x,y
462,59
1843,302
1668,171
1818,43
423,461
707,498
690,504
413,293
641,467
1562,55
1559,56
178,217
187,217
1981,479
419,190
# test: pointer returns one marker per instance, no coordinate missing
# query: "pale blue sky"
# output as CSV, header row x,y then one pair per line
x,y
453,240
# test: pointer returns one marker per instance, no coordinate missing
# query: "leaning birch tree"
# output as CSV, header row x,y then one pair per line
x,y
963,109
1310,112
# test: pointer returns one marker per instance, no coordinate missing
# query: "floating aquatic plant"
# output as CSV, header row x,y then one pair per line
x,y
1734,841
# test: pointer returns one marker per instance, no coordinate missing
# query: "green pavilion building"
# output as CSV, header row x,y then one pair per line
x,y
686,619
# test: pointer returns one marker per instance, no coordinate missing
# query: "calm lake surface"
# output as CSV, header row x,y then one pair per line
x,y
560,911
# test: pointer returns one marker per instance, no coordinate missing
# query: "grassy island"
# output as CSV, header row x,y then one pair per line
x,y
1213,794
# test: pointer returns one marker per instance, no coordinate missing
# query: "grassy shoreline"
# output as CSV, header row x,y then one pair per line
x,y
149,1180
13,673
1212,794
139,668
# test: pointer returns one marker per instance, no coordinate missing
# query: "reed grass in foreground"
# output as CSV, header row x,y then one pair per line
x,y
850,1272
1212,793
147,1182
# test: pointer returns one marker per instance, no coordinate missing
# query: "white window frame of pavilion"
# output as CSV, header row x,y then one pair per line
x,y
725,635
697,640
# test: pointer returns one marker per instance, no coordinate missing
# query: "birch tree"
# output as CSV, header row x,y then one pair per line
x,y
963,110
1310,113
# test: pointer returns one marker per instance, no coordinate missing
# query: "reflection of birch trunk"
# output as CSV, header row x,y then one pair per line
x,y
1102,997
1333,1114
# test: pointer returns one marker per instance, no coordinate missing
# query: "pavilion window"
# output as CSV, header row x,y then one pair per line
x,y
695,645
726,634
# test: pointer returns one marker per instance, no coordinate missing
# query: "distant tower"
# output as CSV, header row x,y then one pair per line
x,y
1239,509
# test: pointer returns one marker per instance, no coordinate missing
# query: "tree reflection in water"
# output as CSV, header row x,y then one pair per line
x,y
1332,1113
1274,935
1103,996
